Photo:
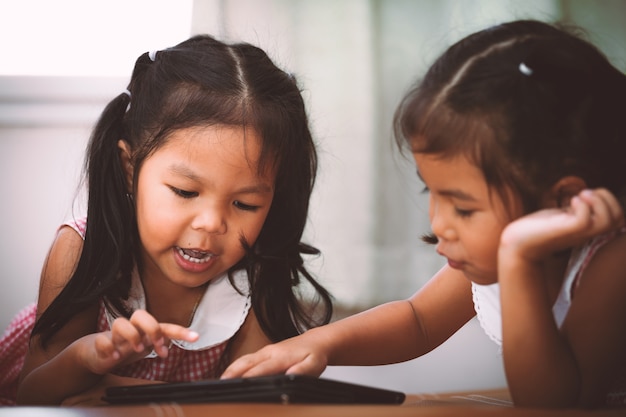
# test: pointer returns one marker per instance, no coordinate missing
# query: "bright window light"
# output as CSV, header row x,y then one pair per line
x,y
86,37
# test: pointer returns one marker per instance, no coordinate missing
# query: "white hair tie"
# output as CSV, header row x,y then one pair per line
x,y
524,69
152,55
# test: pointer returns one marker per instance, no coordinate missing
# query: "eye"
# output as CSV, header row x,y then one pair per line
x,y
183,193
244,206
463,213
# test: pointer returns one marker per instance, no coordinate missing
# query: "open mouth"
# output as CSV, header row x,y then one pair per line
x,y
195,256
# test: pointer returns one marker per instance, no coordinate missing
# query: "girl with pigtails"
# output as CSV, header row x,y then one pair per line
x,y
190,256
518,132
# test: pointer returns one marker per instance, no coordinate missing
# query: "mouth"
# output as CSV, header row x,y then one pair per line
x,y
451,262
456,264
195,256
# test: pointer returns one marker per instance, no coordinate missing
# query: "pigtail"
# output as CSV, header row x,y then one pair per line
x,y
106,259
109,254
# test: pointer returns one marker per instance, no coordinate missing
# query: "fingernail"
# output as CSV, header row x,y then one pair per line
x,y
586,192
193,335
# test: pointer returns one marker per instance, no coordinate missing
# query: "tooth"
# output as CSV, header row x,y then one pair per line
x,y
199,256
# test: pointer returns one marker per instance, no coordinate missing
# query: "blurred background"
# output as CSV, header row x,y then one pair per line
x,y
63,60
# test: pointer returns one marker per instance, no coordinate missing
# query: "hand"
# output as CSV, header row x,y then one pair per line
x,y
539,234
292,356
130,340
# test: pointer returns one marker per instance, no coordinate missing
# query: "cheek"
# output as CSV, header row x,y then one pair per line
x,y
154,212
253,227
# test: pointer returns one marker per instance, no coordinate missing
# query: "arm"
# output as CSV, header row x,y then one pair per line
x,y
547,366
393,332
40,372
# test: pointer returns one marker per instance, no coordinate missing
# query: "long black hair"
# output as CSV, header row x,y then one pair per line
x,y
201,82
529,103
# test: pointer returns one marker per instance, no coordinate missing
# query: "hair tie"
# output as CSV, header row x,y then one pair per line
x,y
152,55
524,69
127,92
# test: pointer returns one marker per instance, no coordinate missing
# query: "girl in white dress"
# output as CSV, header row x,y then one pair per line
x,y
519,134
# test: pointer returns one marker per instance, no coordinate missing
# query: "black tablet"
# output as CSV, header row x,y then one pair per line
x,y
286,389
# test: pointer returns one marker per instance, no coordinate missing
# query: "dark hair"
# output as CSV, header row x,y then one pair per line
x,y
201,82
529,103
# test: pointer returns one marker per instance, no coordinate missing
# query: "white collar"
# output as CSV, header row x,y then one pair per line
x,y
219,315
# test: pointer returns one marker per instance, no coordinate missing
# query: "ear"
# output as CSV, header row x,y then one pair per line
x,y
126,161
564,189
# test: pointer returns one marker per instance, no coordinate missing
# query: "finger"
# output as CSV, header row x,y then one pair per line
x,y
104,346
176,332
269,367
151,331
309,366
581,210
105,355
124,332
606,212
239,367
267,361
613,205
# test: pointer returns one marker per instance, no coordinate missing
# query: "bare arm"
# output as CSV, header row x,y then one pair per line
x,y
43,366
547,366
393,332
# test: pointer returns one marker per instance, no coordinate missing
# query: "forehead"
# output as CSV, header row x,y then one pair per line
x,y
458,177
435,170
235,145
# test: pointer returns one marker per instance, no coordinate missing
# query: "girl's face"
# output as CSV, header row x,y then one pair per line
x,y
196,197
466,218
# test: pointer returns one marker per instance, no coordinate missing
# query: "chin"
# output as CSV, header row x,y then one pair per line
x,y
480,279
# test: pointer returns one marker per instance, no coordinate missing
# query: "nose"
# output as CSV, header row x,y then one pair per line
x,y
211,220
439,223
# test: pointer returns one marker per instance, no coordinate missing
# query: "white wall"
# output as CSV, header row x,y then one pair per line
x,y
45,123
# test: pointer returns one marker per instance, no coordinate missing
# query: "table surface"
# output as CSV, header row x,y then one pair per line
x,y
466,404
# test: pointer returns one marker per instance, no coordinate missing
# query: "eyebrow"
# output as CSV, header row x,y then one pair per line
x,y
183,170
458,194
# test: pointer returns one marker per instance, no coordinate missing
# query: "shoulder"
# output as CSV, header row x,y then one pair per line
x,y
606,257
601,287
59,264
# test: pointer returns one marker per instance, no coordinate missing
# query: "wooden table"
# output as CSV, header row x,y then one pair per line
x,y
475,404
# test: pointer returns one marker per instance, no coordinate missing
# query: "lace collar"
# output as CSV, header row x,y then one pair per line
x,y
219,315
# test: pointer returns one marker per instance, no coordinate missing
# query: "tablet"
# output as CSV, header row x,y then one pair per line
x,y
286,389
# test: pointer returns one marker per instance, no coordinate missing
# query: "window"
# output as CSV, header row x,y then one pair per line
x,y
86,38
